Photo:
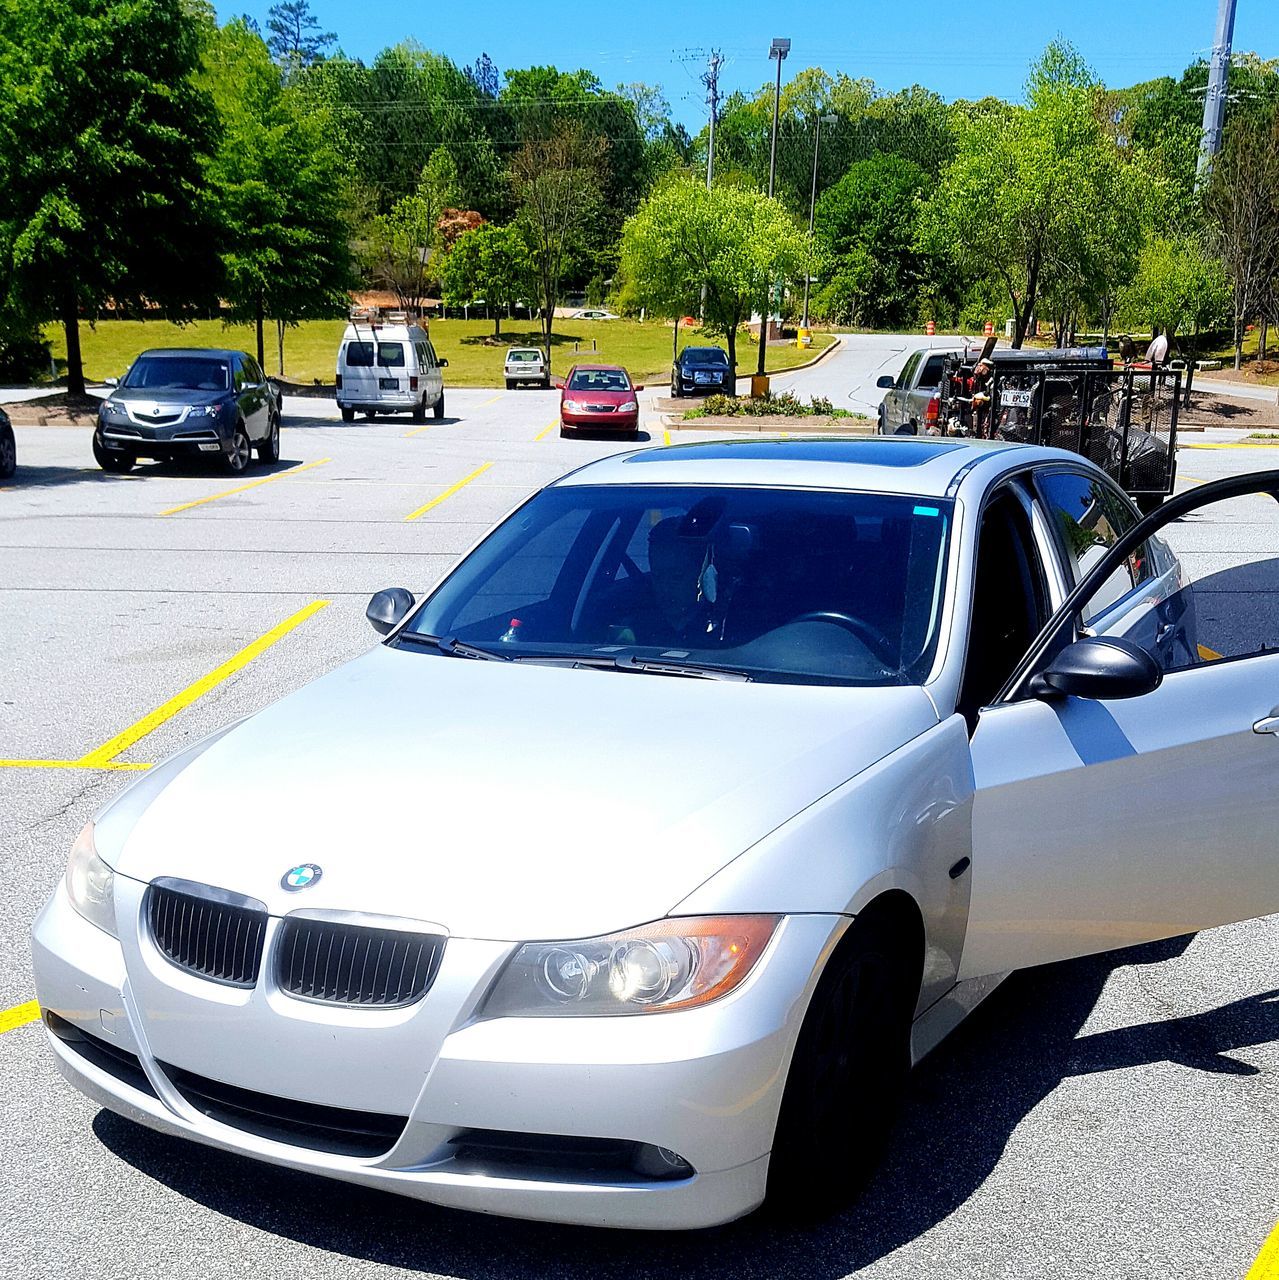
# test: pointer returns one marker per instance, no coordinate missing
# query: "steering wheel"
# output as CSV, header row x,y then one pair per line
x,y
873,639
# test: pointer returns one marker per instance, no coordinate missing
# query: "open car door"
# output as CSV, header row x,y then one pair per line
x,y
1127,777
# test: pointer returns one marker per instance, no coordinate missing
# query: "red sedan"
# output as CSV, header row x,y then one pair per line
x,y
599,397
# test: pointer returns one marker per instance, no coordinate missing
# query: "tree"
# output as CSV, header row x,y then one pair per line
x,y
103,140
1178,286
490,263
296,39
403,242
278,190
556,181
1035,197
730,239
867,226
1242,208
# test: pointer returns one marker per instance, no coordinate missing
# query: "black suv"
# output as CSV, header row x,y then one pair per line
x,y
702,369
188,402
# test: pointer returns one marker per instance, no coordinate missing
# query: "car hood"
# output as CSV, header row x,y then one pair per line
x,y
166,395
500,801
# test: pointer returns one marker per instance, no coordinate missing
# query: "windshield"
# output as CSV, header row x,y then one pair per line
x,y
705,356
599,380
781,584
185,373
513,356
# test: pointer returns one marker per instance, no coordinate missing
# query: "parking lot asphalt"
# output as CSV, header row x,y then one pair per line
x,y
1110,1117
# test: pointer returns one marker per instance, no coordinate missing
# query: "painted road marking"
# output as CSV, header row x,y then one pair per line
x,y
69,764
1237,444
1208,655
491,400
107,752
417,431
253,484
666,435
19,1016
449,492
1266,1267
541,435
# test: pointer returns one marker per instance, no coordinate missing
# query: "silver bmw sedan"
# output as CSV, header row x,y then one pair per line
x,y
624,880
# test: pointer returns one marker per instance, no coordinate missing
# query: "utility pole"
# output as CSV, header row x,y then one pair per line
x,y
779,49
812,208
710,79
1218,86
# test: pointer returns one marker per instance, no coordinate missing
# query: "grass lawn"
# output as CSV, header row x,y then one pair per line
x,y
311,348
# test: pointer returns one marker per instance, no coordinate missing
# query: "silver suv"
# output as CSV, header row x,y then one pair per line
x,y
526,364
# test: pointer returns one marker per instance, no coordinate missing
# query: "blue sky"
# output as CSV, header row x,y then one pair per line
x,y
894,44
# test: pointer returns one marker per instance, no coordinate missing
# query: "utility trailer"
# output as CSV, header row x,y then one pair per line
x,y
1124,419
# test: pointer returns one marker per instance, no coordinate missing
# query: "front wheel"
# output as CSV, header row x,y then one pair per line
x,y
675,391
439,406
848,1073
8,454
269,449
240,454
118,462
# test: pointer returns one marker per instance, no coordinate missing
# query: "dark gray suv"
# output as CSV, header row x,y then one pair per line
x,y
186,403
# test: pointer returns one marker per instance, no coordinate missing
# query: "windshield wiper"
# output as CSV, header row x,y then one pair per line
x,y
454,647
630,662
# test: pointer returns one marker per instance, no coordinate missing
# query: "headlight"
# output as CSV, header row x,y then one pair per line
x,y
116,407
656,968
627,406
573,406
91,883
204,411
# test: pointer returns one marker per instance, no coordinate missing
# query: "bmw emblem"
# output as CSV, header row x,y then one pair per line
x,y
300,877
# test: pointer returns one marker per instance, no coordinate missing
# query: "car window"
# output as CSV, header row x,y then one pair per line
x,y
930,375
907,373
704,356
390,355
523,357
185,373
252,372
241,375
791,585
599,380
430,351
359,355
1088,518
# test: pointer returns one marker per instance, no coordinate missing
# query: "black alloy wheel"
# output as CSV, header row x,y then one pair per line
x,y
847,1076
237,458
117,461
269,449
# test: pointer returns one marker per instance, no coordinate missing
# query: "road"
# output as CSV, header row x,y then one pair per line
x,y
1108,1117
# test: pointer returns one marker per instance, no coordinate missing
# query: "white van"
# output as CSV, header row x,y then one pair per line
x,y
388,368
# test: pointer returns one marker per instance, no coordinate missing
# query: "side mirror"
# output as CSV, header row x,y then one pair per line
x,y
444,364
886,381
558,382
389,608
1099,667
111,382
639,386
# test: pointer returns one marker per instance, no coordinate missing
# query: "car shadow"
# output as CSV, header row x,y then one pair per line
x,y
38,477
963,1105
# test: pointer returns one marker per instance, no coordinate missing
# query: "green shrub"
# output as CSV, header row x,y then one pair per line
x,y
24,355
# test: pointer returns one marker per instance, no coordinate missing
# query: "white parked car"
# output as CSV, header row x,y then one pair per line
x,y
622,884
389,368
525,364
593,313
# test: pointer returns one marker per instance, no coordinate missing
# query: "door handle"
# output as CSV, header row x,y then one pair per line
x,y
1270,724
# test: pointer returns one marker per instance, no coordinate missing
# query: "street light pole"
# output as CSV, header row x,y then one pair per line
x,y
779,49
812,209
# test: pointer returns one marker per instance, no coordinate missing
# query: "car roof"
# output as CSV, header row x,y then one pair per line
x,y
164,353
705,347
928,466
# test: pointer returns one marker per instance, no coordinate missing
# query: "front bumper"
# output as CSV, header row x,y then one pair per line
x,y
181,440
705,1083
626,422
690,387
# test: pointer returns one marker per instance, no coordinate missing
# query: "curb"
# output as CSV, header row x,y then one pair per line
x,y
796,368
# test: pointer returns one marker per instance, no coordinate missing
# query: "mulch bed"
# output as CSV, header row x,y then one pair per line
x,y
58,409
744,424
1208,410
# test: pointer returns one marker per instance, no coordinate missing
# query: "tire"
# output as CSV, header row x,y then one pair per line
x,y
118,463
348,414
1149,502
510,384
269,449
419,410
883,421
241,453
546,383
676,393
8,454
566,433
439,406
848,1072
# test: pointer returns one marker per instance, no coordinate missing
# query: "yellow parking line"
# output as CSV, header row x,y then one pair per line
x,y
253,484
69,764
123,741
448,493
1207,655
19,1016
541,435
417,431
1266,1267
1235,444
492,400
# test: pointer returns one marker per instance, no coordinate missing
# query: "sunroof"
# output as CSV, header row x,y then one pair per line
x,y
876,452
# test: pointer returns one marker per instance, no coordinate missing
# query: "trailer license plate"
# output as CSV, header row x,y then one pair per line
x,y
1011,398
